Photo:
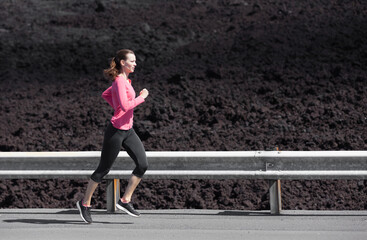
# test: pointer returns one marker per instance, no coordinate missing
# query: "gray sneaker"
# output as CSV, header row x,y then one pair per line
x,y
84,212
128,208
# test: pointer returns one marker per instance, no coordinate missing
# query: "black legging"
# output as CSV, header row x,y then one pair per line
x,y
113,140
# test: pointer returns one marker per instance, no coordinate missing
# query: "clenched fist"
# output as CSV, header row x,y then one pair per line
x,y
144,93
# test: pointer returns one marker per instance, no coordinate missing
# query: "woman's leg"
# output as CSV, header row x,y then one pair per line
x,y
111,147
133,183
92,185
134,147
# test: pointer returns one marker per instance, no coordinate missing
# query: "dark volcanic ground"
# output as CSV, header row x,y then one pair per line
x,y
222,75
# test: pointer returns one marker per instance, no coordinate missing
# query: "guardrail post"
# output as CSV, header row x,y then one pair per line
x,y
275,196
113,194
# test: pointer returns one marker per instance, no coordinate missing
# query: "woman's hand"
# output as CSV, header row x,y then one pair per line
x,y
144,93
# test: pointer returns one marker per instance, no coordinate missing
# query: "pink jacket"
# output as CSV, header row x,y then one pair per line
x,y
121,96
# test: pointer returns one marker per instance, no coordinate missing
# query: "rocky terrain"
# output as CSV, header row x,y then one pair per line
x,y
226,75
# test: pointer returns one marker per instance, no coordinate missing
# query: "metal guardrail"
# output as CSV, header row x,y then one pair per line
x,y
271,165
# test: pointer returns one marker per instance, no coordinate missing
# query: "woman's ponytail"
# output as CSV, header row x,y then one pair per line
x,y
115,64
111,72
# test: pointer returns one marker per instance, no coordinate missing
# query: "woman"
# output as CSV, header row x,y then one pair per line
x,y
119,132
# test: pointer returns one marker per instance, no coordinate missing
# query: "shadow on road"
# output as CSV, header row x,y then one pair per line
x,y
54,221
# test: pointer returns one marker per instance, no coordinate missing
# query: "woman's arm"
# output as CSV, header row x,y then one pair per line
x,y
107,95
124,102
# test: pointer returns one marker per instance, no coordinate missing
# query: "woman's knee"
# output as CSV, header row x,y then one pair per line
x,y
140,169
97,176
143,166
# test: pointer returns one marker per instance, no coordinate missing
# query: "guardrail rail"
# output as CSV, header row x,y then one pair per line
x,y
271,165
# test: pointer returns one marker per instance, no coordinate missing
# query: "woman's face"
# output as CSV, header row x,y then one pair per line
x,y
129,64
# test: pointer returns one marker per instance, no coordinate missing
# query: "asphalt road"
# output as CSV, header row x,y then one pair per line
x,y
29,224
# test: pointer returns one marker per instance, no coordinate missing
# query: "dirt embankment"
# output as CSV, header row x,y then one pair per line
x,y
222,75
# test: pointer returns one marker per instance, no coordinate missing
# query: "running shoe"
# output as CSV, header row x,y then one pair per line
x,y
84,212
128,208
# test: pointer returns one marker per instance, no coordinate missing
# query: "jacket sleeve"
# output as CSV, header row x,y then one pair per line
x,y
124,102
107,95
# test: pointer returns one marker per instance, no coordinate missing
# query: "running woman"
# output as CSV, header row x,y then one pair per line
x,y
119,132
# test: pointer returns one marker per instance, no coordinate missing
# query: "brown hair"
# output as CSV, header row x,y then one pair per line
x,y
115,65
